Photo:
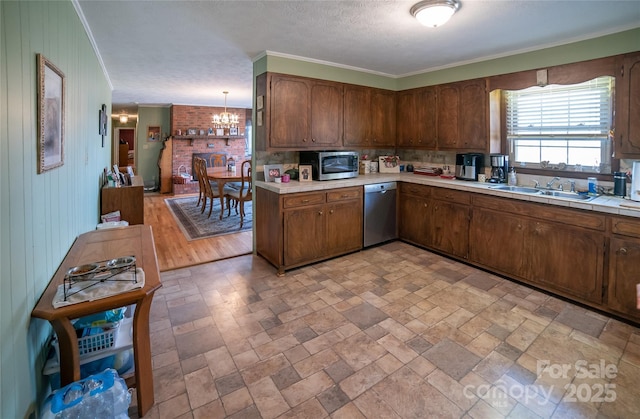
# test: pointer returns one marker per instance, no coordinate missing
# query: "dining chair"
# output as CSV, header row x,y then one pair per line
x,y
197,162
210,189
243,194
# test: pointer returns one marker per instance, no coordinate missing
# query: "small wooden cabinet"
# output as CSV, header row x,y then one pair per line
x,y
462,116
298,113
129,200
435,218
624,266
416,118
369,117
301,228
627,129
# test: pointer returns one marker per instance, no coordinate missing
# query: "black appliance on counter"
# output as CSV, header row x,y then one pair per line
x,y
469,165
499,168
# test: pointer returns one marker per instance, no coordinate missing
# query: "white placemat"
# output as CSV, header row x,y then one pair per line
x,y
82,291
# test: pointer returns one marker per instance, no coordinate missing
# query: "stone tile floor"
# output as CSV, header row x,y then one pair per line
x,y
389,332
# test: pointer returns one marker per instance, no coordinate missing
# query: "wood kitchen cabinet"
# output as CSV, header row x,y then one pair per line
x,y
462,115
301,228
498,239
435,218
627,127
559,249
624,266
369,117
416,118
298,113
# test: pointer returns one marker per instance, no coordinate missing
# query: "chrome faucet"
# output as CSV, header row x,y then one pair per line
x,y
551,182
572,185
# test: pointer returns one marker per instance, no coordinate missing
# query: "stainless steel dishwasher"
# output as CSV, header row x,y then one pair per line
x,y
379,213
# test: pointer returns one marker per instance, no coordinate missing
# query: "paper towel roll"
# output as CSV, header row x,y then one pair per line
x,y
635,181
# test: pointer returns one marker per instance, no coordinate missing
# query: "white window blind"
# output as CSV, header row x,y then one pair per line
x,y
561,124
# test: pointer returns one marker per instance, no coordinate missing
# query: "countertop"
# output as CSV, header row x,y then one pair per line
x,y
605,204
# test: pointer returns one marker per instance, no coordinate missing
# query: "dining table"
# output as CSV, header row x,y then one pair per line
x,y
222,176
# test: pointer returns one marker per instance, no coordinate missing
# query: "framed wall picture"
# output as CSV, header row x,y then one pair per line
x,y
304,173
272,171
153,133
192,131
50,115
233,131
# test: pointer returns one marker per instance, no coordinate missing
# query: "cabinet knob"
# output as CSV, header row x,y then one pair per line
x,y
623,250
313,140
304,201
304,140
320,213
331,212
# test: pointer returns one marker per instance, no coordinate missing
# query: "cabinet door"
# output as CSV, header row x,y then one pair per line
x,y
344,227
357,116
624,266
473,116
448,123
449,228
627,137
383,118
326,115
290,99
567,259
304,235
412,219
407,119
416,118
497,241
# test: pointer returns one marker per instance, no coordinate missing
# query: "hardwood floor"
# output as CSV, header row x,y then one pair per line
x,y
173,249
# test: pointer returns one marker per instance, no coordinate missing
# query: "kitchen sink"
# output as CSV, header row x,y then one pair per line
x,y
569,195
545,192
521,189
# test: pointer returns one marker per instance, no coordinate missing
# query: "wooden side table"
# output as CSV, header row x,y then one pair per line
x,y
96,246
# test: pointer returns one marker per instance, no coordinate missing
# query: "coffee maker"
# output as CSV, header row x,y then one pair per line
x,y
468,166
499,168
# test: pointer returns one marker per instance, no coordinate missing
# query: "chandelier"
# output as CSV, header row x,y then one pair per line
x,y
225,119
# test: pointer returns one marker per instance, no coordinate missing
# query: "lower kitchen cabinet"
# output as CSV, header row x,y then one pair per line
x,y
498,241
624,266
435,218
518,239
297,229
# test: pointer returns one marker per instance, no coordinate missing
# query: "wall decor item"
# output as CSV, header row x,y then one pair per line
x,y
191,131
259,102
219,132
233,131
50,115
272,171
305,174
102,122
153,133
259,118
210,131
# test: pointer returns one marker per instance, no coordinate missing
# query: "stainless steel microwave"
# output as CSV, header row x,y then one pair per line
x,y
331,165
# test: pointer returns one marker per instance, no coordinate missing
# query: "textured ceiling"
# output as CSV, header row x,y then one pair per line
x,y
189,52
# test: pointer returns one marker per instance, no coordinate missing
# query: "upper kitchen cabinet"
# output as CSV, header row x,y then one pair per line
x,y
462,116
296,113
369,117
416,118
627,128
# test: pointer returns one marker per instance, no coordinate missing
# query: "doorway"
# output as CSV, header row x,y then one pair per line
x,y
126,156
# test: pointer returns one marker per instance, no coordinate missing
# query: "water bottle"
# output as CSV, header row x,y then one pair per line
x,y
513,178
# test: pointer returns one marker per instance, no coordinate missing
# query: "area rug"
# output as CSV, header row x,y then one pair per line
x,y
196,225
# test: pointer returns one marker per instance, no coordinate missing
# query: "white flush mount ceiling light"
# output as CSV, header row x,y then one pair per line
x,y
434,13
124,118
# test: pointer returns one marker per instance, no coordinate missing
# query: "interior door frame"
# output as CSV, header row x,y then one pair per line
x,y
116,145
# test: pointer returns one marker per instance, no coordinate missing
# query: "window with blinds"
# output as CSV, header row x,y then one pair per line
x,y
562,126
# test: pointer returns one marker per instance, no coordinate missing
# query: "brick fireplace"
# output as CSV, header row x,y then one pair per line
x,y
184,146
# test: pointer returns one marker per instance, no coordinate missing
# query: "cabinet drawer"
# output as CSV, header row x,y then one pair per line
x,y
413,189
300,200
625,226
344,194
451,195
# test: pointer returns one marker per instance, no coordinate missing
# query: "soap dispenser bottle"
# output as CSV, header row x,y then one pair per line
x,y
513,178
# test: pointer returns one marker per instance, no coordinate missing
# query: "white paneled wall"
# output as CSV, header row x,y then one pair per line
x,y
42,214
